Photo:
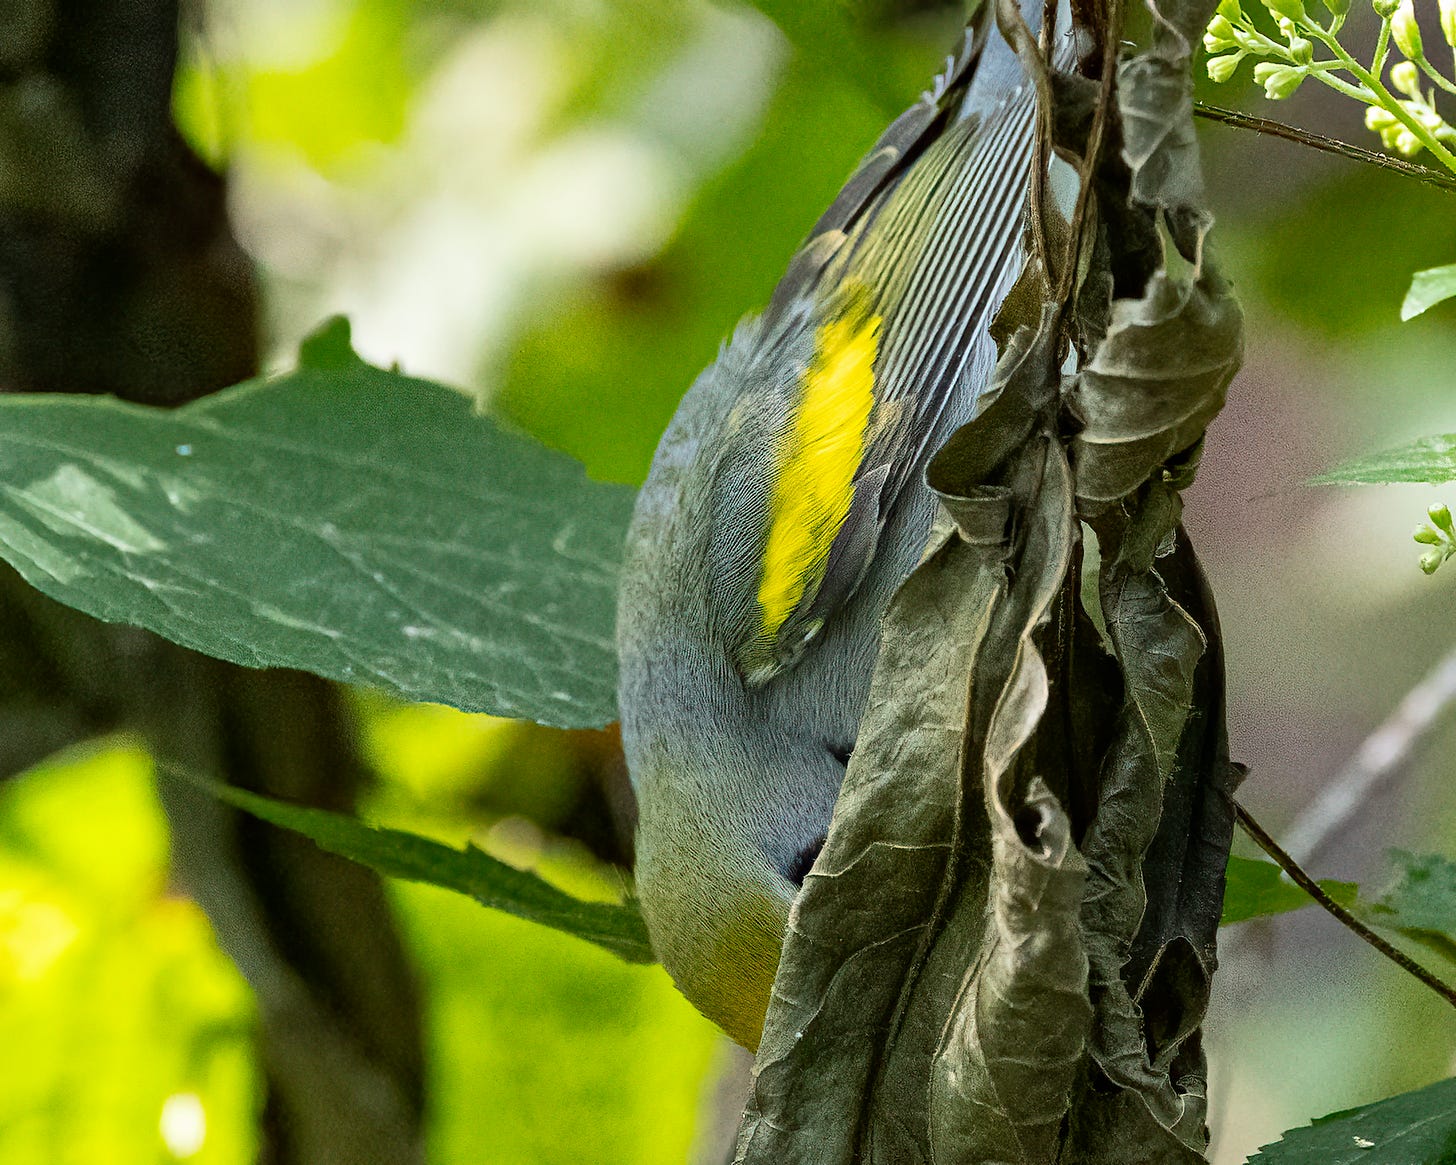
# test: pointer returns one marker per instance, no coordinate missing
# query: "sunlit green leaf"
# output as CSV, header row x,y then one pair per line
x,y
1415,1128
1431,460
341,519
1427,289
126,1030
344,82
1259,889
491,882
543,1049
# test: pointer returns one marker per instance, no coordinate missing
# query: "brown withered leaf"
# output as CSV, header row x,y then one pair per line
x,y
1159,377
913,951
1004,953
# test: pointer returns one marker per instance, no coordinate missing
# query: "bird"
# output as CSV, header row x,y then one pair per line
x,y
786,503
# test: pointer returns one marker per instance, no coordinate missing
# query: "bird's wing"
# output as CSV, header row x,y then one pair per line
x,y
889,304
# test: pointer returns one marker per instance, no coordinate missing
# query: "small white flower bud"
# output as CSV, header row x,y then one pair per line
x,y
1220,69
1407,78
1289,9
1406,31
1279,81
1219,35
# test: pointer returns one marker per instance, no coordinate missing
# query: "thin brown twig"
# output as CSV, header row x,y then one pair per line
x,y
1066,277
1325,144
1344,917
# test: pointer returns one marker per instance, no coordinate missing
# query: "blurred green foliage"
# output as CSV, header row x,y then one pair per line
x,y
115,1004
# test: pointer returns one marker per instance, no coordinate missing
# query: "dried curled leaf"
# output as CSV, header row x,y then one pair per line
x,y
1159,377
1005,951
1155,99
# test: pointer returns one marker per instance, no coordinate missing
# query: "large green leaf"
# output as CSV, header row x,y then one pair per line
x,y
1415,1128
1258,889
1431,460
491,882
341,519
1428,288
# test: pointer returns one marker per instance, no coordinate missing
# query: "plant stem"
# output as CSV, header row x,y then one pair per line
x,y
1383,96
1436,75
1344,917
1364,96
1328,145
1382,48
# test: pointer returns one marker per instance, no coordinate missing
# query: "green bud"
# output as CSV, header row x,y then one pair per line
x,y
1441,518
1407,31
1289,9
1219,34
1385,9
1220,69
1230,10
1279,81
1301,50
1430,560
1448,21
1426,536
1426,115
1407,78
1404,143
1378,118
1338,8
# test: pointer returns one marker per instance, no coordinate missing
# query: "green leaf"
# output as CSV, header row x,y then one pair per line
x,y
1414,1128
341,519
1258,889
1431,460
1428,288
1421,903
491,882
330,346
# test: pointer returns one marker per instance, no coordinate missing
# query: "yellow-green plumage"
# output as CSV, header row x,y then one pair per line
x,y
814,467
785,505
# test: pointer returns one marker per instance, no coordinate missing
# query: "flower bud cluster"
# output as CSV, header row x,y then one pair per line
x,y
1406,124
1405,76
1232,36
1439,535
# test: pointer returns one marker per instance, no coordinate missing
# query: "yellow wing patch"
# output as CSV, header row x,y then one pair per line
x,y
815,466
